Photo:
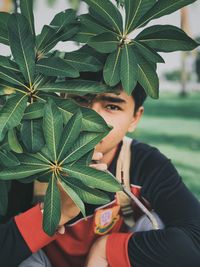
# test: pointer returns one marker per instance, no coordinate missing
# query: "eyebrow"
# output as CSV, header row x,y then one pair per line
x,y
110,99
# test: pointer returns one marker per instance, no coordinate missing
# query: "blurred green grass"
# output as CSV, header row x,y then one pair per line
x,y
172,124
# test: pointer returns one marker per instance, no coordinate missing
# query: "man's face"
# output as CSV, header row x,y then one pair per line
x,y
118,111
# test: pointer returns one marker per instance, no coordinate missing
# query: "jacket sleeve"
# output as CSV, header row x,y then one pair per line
x,y
13,249
22,236
178,244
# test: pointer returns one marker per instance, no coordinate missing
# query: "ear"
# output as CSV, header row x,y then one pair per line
x,y
135,120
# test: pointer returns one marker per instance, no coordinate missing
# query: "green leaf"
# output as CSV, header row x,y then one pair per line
x,y
21,172
32,135
56,37
80,87
56,67
147,77
3,28
162,8
62,28
52,207
105,42
147,52
87,194
93,177
12,113
9,64
128,69
34,111
108,12
3,197
34,160
52,127
83,61
14,142
111,71
10,76
44,38
83,145
91,121
135,10
70,134
26,7
74,196
166,38
22,45
86,159
8,159
89,27
64,19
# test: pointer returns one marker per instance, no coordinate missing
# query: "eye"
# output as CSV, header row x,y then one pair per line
x,y
113,107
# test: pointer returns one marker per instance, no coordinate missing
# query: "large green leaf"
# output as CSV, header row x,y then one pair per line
x,y
62,28
52,127
34,111
163,7
83,61
93,177
22,45
26,7
3,28
52,207
63,36
166,38
45,37
74,196
135,10
70,134
105,42
80,87
3,197
14,142
83,145
21,172
108,12
9,64
147,52
111,71
55,66
87,194
89,27
147,77
32,135
33,160
11,77
64,19
8,159
128,69
91,121
12,113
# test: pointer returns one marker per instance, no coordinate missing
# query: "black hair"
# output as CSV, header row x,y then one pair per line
x,y
139,95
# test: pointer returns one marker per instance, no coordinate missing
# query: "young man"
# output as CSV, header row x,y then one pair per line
x,y
103,240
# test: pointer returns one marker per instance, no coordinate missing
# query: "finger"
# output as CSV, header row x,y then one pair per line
x,y
100,166
97,156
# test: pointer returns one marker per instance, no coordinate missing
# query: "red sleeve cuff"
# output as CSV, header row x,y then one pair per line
x,y
29,224
117,249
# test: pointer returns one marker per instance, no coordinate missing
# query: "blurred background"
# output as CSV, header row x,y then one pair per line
x,y
172,124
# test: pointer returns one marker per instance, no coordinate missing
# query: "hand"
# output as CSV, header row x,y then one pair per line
x,y
97,157
97,254
68,209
